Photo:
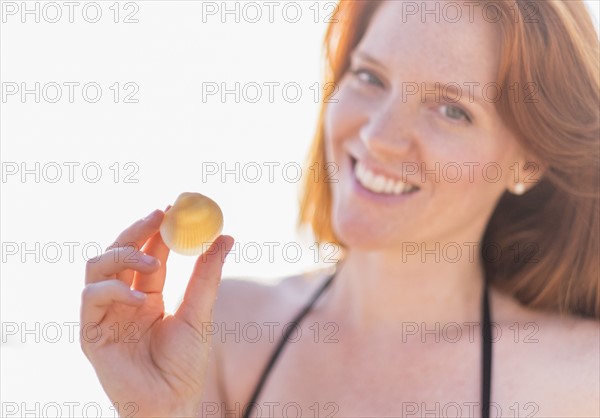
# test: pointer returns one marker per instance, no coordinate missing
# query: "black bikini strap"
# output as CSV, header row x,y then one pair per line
x,y
486,335
291,327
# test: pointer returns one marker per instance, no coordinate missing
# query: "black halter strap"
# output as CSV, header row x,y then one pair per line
x,y
486,337
290,328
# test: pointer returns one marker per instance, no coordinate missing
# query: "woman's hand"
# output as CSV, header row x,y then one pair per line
x,y
149,363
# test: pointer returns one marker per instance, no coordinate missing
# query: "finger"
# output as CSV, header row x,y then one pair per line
x,y
112,262
138,233
202,288
96,298
153,282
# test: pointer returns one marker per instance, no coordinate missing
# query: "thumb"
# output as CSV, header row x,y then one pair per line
x,y
201,291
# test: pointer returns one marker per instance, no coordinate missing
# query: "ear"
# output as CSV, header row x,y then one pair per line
x,y
527,171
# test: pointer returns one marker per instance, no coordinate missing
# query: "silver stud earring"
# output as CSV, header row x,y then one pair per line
x,y
519,188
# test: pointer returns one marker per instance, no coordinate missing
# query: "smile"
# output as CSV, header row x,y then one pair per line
x,y
381,184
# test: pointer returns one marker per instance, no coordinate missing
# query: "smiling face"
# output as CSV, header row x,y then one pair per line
x,y
416,164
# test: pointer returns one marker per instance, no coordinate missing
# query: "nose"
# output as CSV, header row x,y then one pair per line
x,y
389,130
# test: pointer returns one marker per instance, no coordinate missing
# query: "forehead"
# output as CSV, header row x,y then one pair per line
x,y
421,49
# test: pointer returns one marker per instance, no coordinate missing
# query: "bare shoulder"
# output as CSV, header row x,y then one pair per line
x,y
555,356
574,334
250,299
249,320
572,349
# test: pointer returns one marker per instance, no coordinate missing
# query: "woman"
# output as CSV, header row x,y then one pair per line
x,y
465,189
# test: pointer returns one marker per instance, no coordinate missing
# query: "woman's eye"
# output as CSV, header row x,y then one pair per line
x,y
454,112
367,77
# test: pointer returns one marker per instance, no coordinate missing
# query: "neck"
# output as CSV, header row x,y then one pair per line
x,y
382,288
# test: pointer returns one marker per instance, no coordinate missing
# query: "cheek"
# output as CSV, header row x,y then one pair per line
x,y
343,116
493,167
472,170
467,157
470,178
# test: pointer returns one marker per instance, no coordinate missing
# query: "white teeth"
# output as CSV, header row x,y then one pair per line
x,y
389,186
398,188
379,183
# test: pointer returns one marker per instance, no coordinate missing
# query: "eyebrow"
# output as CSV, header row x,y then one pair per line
x,y
450,88
366,57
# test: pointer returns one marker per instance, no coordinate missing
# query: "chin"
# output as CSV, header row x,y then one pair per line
x,y
361,234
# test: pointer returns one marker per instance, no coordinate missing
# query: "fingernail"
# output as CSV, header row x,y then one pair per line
x,y
138,295
150,260
230,248
151,215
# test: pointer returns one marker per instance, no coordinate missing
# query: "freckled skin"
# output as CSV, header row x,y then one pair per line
x,y
380,124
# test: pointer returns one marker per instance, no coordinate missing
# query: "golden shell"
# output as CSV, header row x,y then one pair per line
x,y
192,224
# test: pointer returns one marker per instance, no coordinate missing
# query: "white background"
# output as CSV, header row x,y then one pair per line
x,y
166,136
